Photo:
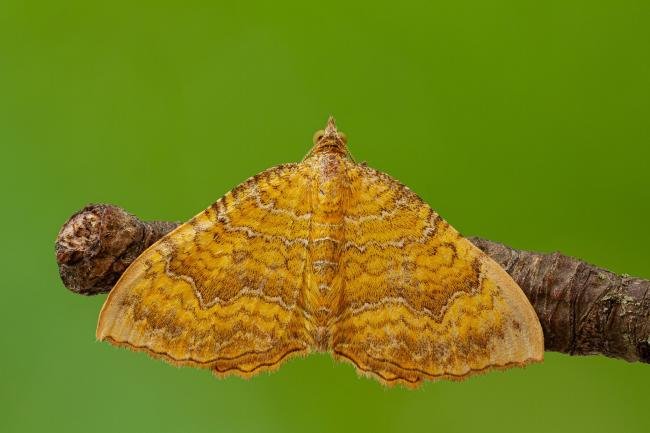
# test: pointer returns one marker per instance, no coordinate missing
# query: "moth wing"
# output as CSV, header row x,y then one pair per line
x,y
224,290
419,301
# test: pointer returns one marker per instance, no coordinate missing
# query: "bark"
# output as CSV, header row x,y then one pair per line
x,y
99,242
583,309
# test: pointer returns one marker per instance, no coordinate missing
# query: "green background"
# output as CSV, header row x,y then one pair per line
x,y
524,122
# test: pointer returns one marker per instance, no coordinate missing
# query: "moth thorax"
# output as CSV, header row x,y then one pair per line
x,y
328,194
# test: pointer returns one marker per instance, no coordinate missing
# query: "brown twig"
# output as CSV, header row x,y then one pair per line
x,y
99,242
583,309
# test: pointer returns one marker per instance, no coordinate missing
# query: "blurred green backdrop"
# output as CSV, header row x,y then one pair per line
x,y
161,108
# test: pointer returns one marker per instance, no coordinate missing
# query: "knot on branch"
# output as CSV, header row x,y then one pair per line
x,y
98,243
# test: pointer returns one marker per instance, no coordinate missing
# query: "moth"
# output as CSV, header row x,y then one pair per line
x,y
325,255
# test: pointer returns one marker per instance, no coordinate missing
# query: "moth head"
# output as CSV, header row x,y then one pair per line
x,y
330,140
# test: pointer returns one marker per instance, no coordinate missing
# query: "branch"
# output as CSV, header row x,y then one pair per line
x,y
583,309
99,242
